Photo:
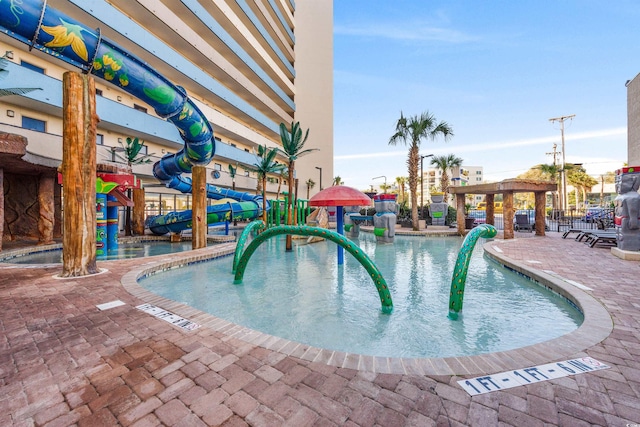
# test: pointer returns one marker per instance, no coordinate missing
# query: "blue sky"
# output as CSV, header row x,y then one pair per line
x,y
495,71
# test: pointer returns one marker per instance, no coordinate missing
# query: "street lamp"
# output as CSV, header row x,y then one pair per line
x,y
422,185
385,182
320,169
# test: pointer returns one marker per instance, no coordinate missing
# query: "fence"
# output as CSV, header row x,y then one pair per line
x,y
558,220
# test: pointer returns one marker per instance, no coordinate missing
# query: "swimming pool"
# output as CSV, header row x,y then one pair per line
x,y
304,296
124,251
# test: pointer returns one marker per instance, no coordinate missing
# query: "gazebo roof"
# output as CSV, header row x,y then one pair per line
x,y
340,195
515,185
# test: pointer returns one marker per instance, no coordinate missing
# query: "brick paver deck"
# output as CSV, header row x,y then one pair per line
x,y
64,362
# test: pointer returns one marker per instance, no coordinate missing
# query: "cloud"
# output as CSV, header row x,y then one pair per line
x,y
412,31
588,135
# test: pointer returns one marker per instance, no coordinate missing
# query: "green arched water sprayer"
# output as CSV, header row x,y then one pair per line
x,y
302,230
459,277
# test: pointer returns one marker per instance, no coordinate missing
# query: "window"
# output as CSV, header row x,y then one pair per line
x,y
217,166
478,172
144,150
99,139
246,173
99,92
32,67
34,124
139,108
246,149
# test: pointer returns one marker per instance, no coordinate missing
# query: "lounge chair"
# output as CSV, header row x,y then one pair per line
x,y
593,238
522,223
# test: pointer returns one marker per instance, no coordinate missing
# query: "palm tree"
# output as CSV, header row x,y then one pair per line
x,y
337,180
265,164
411,131
292,148
401,181
131,156
310,184
445,163
284,175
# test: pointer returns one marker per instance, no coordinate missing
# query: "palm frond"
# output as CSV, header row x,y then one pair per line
x,y
17,90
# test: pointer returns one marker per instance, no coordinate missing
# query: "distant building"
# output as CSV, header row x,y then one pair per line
x,y
462,176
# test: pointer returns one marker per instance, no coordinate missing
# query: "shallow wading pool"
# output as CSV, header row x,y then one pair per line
x,y
304,296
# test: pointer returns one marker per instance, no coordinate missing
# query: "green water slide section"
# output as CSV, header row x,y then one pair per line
x,y
459,278
303,230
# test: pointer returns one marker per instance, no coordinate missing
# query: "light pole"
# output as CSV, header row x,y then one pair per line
x,y
320,169
422,185
385,182
561,119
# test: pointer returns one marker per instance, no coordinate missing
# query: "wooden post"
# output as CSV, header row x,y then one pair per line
x,y
137,221
79,175
199,209
460,213
491,219
507,214
540,202
1,206
46,218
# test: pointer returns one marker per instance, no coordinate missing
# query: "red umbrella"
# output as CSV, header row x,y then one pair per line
x,y
340,196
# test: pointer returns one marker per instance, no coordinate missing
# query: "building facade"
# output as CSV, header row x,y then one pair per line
x,y
248,66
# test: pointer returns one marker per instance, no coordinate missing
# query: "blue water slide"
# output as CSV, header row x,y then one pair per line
x,y
48,30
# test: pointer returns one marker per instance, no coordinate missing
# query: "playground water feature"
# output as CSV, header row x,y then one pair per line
x,y
306,297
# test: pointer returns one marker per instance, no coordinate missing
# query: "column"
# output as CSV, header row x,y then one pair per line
x,y
199,209
540,202
46,218
507,214
460,198
489,198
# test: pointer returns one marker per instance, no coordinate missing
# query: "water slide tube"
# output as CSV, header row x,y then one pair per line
x,y
48,30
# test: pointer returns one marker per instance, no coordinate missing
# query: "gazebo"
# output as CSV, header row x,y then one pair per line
x,y
507,188
339,196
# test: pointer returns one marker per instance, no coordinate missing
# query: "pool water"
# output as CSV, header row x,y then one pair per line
x,y
125,250
304,296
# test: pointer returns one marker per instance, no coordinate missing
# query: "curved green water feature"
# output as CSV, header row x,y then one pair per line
x,y
303,230
242,240
459,278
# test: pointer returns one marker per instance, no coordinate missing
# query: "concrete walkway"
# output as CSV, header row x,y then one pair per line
x,y
65,362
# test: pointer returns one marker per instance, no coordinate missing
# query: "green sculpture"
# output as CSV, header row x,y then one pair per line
x,y
302,230
459,277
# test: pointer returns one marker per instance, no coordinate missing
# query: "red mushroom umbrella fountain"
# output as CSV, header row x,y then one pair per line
x,y
339,196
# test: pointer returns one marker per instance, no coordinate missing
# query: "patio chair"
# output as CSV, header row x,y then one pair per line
x,y
608,238
522,223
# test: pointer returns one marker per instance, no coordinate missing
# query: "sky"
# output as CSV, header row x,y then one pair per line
x,y
495,71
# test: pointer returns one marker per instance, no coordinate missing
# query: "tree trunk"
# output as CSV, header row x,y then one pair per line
x,y
1,206
289,240
138,212
199,209
264,200
127,217
79,175
46,218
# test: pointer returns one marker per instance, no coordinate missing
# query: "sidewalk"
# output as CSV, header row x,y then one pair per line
x,y
64,362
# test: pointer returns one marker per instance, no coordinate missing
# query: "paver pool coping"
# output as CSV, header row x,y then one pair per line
x,y
597,324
